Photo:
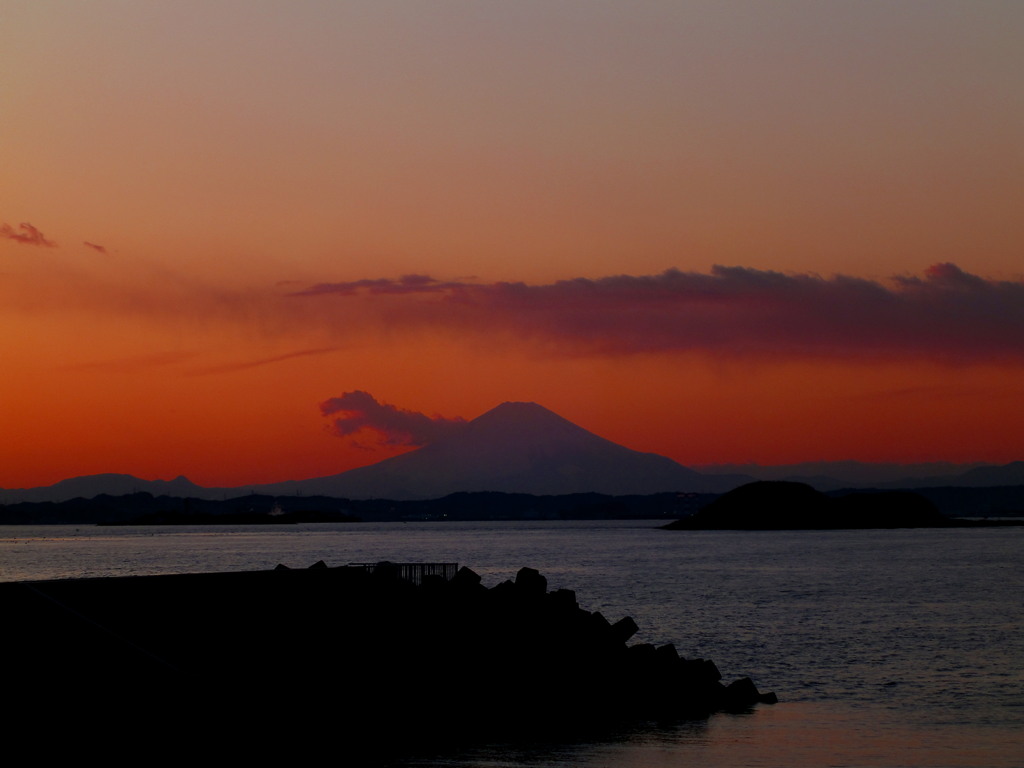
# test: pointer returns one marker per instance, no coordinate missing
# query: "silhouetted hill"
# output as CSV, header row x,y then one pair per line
x,y
782,505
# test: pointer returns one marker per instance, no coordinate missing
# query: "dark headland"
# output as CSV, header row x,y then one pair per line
x,y
782,505
374,658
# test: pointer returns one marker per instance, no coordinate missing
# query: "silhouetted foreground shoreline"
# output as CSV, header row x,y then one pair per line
x,y
361,652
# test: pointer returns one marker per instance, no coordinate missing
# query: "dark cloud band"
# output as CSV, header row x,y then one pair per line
x,y
945,314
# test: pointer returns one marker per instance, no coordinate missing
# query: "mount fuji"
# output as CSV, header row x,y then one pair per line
x,y
514,448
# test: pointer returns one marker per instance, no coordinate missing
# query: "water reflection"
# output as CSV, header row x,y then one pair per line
x,y
617,746
796,735
887,648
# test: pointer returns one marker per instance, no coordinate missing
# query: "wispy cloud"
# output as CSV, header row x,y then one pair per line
x,y
25,234
944,314
407,284
358,411
97,248
134,364
247,364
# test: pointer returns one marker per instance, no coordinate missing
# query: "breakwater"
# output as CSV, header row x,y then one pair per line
x,y
365,653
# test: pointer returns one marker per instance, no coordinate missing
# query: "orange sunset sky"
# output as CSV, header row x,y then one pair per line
x,y
723,231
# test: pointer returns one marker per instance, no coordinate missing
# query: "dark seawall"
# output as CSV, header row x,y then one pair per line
x,y
364,654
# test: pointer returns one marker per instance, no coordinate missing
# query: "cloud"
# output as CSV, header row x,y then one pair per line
x,y
97,248
26,234
403,285
945,314
134,364
358,411
247,364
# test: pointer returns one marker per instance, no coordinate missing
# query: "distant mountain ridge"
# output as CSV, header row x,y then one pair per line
x,y
520,447
514,448
89,486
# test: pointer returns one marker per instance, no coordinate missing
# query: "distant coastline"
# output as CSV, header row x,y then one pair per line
x,y
261,509
234,518
850,509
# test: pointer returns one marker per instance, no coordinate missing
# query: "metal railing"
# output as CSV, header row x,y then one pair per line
x,y
413,572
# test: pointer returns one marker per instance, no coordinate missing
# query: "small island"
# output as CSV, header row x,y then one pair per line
x,y
782,505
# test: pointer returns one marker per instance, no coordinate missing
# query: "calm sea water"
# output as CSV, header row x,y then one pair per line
x,y
886,648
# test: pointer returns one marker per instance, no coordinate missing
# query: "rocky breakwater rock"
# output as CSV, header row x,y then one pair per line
x,y
361,654
537,656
